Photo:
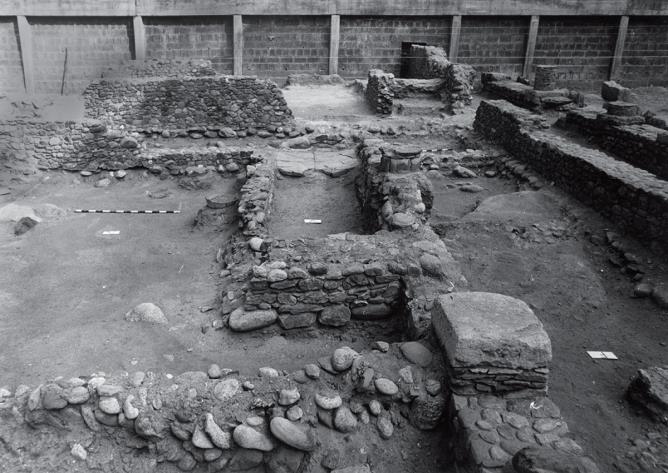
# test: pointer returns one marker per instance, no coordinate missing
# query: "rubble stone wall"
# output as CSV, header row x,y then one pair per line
x,y
379,93
200,103
636,144
427,62
632,198
91,146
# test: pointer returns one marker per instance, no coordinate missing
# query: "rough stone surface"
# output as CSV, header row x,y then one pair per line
x,y
480,328
146,312
242,321
417,353
298,436
649,389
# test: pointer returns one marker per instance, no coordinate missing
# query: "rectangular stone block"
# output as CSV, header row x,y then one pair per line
x,y
486,329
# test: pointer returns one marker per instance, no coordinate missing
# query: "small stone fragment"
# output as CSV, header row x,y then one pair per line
x,y
386,386
345,420
343,358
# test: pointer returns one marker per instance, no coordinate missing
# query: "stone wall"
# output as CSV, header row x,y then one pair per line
x,y
91,146
186,38
193,104
93,46
427,62
276,46
632,198
637,144
379,93
11,73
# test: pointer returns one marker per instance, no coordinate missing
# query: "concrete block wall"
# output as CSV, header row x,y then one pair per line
x,y
645,60
494,43
276,46
93,46
368,42
11,73
200,37
582,47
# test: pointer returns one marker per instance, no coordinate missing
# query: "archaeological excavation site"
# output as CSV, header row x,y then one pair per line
x,y
334,236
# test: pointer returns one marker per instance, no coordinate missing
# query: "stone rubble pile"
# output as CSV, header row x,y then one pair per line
x,y
224,422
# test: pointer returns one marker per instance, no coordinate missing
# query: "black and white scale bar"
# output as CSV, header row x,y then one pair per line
x,y
436,150
90,211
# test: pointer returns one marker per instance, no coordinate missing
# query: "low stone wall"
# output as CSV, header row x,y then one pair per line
x,y
257,195
640,144
379,92
427,62
392,191
198,106
524,95
458,87
92,146
632,198
218,420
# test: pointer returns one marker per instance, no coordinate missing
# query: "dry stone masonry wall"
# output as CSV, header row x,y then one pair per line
x,y
632,198
198,106
640,144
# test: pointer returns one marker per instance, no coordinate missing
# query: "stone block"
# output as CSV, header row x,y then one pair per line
x,y
486,329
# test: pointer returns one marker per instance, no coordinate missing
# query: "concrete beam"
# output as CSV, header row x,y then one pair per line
x,y
333,7
455,32
25,44
139,33
334,33
619,47
531,46
238,42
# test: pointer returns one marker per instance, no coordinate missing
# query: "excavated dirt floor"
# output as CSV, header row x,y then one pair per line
x,y
67,286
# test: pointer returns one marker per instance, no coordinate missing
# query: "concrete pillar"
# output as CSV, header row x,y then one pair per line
x,y
454,37
531,46
238,41
25,44
334,33
140,38
619,47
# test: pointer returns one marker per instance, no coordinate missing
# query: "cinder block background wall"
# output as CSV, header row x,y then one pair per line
x,y
276,46
375,42
646,52
196,37
93,45
494,43
582,46
11,72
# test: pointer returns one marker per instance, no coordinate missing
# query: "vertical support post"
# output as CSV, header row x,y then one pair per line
x,y
334,33
619,47
238,41
531,46
455,31
25,44
140,38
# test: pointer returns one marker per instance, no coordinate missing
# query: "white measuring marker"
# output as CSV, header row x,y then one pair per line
x,y
111,232
602,355
312,220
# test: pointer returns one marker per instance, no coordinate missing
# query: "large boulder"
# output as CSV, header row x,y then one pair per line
x,y
242,321
649,389
486,329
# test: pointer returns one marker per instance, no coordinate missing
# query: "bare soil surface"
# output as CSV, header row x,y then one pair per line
x,y
68,287
315,196
535,246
